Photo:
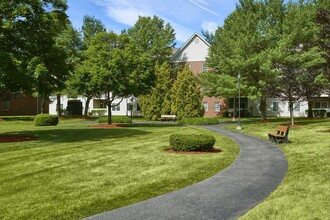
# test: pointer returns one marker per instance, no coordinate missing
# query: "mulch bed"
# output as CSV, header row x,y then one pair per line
x,y
193,152
8,139
325,131
106,126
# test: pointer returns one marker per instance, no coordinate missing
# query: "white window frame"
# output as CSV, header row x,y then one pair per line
x,y
296,107
115,108
321,104
205,67
206,106
217,107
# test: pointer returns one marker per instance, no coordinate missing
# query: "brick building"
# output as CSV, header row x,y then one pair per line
x,y
194,53
21,105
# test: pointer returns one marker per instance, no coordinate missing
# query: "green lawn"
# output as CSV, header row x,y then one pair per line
x,y
305,191
72,171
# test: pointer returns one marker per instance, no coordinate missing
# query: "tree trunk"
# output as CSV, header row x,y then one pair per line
x,y
263,108
109,114
291,111
87,106
42,107
58,105
310,109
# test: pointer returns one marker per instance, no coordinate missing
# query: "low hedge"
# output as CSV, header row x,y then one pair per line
x,y
199,121
191,142
115,119
45,120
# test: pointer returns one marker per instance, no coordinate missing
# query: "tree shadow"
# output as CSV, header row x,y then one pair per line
x,y
78,135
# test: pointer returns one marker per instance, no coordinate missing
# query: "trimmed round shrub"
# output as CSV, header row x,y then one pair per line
x,y
192,142
45,120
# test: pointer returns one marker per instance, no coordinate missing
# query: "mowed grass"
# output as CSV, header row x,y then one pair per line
x,y
72,171
305,191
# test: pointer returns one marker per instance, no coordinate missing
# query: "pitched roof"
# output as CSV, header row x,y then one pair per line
x,y
177,51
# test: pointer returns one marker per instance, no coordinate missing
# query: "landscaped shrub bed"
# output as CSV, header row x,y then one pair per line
x,y
45,120
191,142
115,119
199,121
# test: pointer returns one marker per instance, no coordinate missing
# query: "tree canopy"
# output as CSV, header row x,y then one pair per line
x,y
28,31
256,40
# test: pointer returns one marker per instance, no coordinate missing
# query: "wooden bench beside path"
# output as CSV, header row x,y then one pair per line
x,y
282,134
168,117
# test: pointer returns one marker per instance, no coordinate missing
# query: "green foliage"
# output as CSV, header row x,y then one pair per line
x,y
30,52
91,26
154,37
115,119
155,103
186,96
45,120
199,121
191,142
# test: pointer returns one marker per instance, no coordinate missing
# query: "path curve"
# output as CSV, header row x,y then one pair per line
x,y
257,171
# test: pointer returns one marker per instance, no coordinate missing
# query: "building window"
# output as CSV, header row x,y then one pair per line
x,y
217,107
206,106
128,106
205,67
138,107
296,107
101,105
116,108
5,105
275,106
321,105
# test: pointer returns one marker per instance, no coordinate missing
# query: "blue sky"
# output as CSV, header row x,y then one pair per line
x,y
185,16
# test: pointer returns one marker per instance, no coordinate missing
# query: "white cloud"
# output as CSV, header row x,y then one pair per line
x,y
210,26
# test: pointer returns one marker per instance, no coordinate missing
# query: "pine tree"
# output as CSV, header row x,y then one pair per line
x,y
186,96
155,102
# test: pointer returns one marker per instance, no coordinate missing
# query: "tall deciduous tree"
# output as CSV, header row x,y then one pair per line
x,y
27,36
186,96
155,103
81,81
91,26
117,68
153,36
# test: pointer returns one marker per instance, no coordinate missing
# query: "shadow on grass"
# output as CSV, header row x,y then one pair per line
x,y
152,125
78,135
286,121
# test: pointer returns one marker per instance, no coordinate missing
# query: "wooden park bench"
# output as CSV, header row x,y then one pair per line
x,y
168,117
282,133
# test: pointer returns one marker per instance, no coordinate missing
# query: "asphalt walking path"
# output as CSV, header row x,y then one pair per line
x,y
257,171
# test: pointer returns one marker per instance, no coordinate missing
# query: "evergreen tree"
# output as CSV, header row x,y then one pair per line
x,y
298,58
243,46
186,96
155,103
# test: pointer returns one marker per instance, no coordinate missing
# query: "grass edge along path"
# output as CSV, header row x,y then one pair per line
x,y
72,171
305,191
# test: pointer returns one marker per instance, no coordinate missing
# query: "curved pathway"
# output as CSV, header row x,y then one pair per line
x,y
258,170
